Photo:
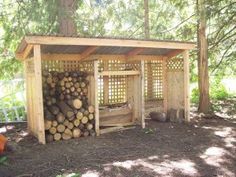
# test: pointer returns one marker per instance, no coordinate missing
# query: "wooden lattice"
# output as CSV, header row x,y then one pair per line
x,y
61,66
176,64
117,89
116,86
153,80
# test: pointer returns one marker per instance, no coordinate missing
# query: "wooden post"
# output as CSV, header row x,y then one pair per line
x,y
186,86
96,104
38,95
142,96
165,85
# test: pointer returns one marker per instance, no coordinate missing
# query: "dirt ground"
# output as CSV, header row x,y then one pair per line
x,y
204,147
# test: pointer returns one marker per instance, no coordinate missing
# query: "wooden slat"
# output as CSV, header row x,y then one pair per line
x,y
142,105
165,85
96,104
88,52
118,73
186,86
50,40
39,95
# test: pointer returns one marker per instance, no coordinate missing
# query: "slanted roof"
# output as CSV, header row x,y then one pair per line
x,y
84,46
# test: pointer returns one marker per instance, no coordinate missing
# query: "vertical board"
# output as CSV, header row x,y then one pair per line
x,y
96,104
142,105
186,86
38,96
165,85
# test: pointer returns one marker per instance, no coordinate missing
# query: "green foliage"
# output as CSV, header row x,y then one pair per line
x,y
77,174
218,91
195,95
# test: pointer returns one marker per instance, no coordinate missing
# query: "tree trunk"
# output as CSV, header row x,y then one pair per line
x,y
66,11
203,77
146,19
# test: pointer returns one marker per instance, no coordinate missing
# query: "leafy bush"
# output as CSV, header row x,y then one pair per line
x,y
218,91
195,95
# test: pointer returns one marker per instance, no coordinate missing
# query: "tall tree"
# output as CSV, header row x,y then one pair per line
x,y
203,77
66,11
146,20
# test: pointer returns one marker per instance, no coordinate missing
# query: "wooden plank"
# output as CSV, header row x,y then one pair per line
x,y
88,52
27,51
134,52
73,57
165,85
142,105
115,129
96,104
39,94
118,73
116,125
117,112
51,40
174,53
186,86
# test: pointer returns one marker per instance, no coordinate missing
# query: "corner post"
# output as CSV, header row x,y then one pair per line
x,y
142,95
96,104
186,86
39,94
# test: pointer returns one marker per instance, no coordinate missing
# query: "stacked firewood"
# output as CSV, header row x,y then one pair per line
x,y
66,110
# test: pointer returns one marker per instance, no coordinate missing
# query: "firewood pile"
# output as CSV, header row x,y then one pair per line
x,y
66,110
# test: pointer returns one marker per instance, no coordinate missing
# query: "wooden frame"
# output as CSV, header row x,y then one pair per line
x,y
34,95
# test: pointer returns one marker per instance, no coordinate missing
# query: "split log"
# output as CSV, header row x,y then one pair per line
x,y
76,122
54,123
77,103
91,109
53,109
47,124
60,118
57,136
76,132
53,130
70,125
61,128
79,115
67,111
84,120
89,126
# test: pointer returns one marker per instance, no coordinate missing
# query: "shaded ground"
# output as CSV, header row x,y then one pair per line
x,y
205,147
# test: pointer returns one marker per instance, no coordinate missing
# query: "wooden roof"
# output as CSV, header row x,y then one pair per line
x,y
84,47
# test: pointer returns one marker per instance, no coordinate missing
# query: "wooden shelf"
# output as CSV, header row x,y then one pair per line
x,y
118,73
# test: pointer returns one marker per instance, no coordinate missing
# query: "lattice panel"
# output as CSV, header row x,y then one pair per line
x,y
58,65
117,89
153,85
175,64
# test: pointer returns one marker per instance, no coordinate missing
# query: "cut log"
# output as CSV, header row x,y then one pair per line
x,y
86,133
68,132
79,115
84,120
66,136
53,130
66,110
47,124
70,125
60,118
89,126
76,133
91,109
54,123
61,128
66,123
53,109
91,116
92,133
77,103
57,136
76,122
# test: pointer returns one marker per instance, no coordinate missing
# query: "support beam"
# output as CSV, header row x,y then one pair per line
x,y
165,85
174,53
25,54
88,52
96,104
142,96
38,104
186,86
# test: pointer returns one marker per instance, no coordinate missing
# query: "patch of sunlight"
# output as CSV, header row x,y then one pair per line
x,y
158,166
214,156
230,84
91,174
3,129
228,134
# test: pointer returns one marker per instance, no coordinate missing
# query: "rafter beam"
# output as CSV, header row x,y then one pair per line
x,y
174,53
88,52
25,53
